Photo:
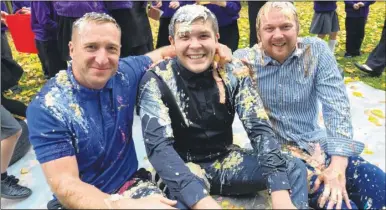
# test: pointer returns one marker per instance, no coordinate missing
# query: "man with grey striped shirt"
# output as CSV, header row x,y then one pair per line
x,y
293,75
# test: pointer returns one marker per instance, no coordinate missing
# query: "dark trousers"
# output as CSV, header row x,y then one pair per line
x,y
5,48
136,36
163,33
253,10
365,184
48,55
377,58
64,36
13,106
246,178
355,32
229,36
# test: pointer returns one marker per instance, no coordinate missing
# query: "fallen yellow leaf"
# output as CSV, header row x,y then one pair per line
x,y
374,120
23,171
225,204
357,94
367,151
348,79
349,70
378,113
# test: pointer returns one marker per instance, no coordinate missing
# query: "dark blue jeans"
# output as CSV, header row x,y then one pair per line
x,y
239,173
365,184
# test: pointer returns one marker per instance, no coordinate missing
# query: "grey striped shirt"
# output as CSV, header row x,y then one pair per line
x,y
291,91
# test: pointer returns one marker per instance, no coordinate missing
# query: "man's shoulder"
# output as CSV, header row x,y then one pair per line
x,y
246,52
162,69
313,42
55,90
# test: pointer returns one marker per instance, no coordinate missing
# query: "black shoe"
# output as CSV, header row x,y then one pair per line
x,y
11,190
54,204
367,70
351,55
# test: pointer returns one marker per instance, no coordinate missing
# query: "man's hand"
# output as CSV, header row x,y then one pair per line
x,y
356,6
223,55
25,10
206,203
149,202
3,18
174,4
334,179
281,200
361,4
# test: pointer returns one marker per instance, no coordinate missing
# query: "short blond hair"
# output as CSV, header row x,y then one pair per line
x,y
93,17
284,7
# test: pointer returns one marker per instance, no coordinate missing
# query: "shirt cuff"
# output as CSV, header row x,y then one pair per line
x,y
193,192
342,147
278,181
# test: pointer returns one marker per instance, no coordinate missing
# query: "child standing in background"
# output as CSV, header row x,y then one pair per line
x,y
325,21
356,17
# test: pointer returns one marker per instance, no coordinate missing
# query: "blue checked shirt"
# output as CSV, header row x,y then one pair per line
x,y
291,91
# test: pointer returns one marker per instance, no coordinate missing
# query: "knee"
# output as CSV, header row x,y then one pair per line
x,y
296,168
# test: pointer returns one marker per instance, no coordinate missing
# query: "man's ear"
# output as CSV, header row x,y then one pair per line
x,y
71,48
217,36
171,40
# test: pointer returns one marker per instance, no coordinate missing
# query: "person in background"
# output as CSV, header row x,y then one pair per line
x,y
227,13
376,62
67,12
10,133
24,7
168,8
325,21
356,18
253,9
44,26
121,12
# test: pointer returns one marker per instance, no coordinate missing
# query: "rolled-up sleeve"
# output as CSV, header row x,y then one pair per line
x,y
159,139
252,114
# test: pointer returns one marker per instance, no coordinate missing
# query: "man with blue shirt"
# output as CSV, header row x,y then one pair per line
x,y
293,75
81,123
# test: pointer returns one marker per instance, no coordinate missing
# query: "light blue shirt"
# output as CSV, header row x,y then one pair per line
x,y
291,91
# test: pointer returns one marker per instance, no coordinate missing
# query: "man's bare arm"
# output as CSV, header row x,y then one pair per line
x,y
63,177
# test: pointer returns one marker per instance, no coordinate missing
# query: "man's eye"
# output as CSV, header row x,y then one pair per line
x,y
269,29
90,47
287,27
113,49
204,36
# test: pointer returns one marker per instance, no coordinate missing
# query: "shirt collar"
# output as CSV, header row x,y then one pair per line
x,y
267,60
193,79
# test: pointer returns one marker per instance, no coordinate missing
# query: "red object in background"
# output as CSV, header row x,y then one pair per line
x,y
19,26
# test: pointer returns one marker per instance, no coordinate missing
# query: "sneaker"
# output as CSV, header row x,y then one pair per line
x,y
11,190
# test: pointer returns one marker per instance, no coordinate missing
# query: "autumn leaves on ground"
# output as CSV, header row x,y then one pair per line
x,y
32,79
